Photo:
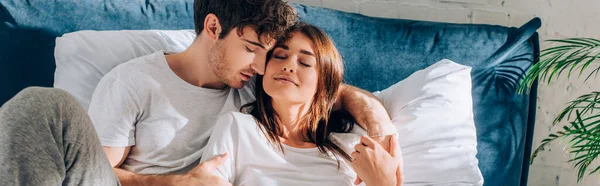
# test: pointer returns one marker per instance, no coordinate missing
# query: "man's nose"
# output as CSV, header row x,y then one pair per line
x,y
259,66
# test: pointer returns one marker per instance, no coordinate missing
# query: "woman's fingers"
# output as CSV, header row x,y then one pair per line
x,y
394,148
360,148
354,155
397,154
399,176
357,181
367,141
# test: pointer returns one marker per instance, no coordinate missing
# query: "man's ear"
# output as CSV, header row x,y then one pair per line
x,y
212,26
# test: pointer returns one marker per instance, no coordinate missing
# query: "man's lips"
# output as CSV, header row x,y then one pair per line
x,y
246,76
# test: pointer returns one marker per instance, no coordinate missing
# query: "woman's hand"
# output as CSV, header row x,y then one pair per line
x,y
374,165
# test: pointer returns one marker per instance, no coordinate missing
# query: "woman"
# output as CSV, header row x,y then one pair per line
x,y
284,139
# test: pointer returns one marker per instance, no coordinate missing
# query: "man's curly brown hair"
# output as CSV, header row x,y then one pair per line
x,y
269,18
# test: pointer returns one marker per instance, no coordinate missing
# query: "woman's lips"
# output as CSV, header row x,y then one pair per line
x,y
285,79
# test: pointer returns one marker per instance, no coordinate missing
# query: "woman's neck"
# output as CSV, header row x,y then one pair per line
x,y
289,116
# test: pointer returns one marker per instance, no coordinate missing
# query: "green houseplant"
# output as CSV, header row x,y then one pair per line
x,y
580,120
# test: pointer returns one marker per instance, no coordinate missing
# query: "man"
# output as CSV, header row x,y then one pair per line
x,y
153,115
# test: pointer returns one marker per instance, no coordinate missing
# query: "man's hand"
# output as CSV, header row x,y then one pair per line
x,y
203,174
384,141
375,165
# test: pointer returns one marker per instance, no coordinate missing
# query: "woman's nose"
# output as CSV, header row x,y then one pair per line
x,y
289,65
288,69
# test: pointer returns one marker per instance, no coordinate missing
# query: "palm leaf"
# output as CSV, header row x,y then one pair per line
x,y
587,103
583,131
571,54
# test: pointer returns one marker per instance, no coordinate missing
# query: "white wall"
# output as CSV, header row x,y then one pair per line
x,y
560,18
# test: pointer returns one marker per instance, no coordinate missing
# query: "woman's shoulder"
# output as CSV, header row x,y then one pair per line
x,y
234,115
236,119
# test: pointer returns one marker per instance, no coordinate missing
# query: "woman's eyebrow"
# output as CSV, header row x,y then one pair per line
x,y
307,53
285,47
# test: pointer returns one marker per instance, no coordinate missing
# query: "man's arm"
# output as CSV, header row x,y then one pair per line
x,y
116,156
201,175
368,112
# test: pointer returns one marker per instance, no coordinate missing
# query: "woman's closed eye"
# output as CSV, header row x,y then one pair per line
x,y
248,49
304,64
279,57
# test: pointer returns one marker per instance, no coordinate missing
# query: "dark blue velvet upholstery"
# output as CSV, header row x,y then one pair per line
x,y
378,52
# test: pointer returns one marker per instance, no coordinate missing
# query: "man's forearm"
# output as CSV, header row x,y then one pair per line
x,y
131,179
366,109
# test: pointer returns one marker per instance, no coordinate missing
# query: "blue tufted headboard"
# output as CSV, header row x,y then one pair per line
x,y
378,53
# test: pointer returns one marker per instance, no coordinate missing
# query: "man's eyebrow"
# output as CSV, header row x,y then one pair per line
x,y
255,43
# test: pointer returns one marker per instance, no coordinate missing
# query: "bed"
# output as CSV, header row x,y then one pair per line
x,y
378,52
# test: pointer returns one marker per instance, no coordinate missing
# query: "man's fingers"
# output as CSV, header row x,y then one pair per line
x,y
214,162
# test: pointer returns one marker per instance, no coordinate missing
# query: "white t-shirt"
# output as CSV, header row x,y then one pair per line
x,y
167,121
253,160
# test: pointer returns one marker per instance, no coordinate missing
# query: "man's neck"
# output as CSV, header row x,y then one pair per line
x,y
193,67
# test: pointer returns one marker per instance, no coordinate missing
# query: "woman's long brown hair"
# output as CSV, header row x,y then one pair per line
x,y
319,121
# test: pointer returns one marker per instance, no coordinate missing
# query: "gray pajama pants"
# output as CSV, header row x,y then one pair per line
x,y
47,138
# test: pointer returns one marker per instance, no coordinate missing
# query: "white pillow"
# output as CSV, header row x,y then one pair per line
x,y
433,112
83,57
